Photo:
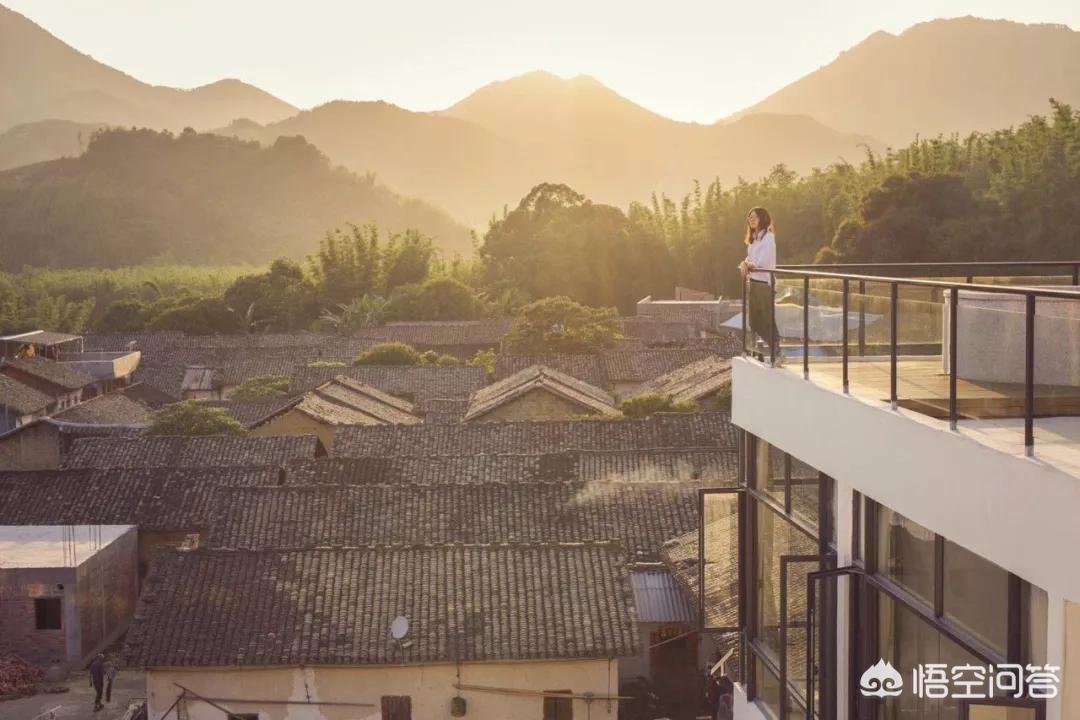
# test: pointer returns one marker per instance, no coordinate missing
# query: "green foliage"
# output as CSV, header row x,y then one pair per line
x,y
406,259
389,354
483,359
560,325
193,417
557,242
59,314
645,405
281,299
362,312
203,316
261,388
138,195
326,364
430,358
435,299
123,316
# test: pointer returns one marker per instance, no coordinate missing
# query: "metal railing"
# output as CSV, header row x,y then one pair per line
x,y
967,270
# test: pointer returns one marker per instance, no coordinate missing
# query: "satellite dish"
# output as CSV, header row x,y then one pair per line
x,y
399,628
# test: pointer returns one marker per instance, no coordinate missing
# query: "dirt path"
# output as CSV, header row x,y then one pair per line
x,y
78,702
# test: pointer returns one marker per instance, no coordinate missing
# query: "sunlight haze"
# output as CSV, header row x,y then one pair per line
x,y
689,60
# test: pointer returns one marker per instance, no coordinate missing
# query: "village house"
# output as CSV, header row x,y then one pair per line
x,y
66,591
21,404
539,393
430,630
334,404
707,383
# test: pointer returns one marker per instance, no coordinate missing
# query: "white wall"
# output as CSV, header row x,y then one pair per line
x,y
1018,512
431,688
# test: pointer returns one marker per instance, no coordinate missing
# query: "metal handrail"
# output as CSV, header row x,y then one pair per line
x,y
967,269
1031,294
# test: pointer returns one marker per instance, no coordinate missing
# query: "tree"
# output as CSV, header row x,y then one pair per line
x,y
193,417
261,388
395,353
366,311
435,299
204,316
123,316
281,299
62,315
560,325
406,259
347,265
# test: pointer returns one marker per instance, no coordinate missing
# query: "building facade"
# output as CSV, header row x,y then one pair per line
x,y
901,542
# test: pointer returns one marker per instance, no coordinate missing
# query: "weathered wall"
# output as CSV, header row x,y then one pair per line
x,y
431,688
36,447
295,423
107,590
534,405
18,627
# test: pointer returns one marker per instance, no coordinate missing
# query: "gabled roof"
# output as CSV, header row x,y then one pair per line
x,y
690,382
253,412
629,365
417,383
583,367
344,401
109,409
172,452
589,398
60,374
665,430
23,399
639,517
334,607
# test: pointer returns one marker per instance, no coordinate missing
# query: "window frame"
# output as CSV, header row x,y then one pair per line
x,y
554,700
41,612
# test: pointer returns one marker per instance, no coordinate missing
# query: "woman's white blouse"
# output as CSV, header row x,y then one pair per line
x,y
762,253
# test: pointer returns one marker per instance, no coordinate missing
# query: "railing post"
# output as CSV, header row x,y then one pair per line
x,y
862,318
1076,274
894,297
1029,378
844,325
954,304
772,319
744,287
806,327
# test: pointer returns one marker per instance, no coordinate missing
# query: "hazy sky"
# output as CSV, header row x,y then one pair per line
x,y
688,59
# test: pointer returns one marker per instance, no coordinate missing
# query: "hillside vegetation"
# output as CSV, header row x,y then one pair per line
x,y
140,195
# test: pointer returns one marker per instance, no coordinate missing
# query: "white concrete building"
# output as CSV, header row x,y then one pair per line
x,y
942,513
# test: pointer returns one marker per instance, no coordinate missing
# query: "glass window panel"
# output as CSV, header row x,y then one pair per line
x,y
721,555
906,641
770,472
906,553
767,687
797,634
776,536
977,596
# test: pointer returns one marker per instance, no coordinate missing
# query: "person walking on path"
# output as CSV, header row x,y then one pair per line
x,y
761,257
97,679
110,674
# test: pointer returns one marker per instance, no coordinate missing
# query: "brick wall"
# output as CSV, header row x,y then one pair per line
x,y
107,590
19,587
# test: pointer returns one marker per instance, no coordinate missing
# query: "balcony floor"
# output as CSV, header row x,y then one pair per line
x,y
989,413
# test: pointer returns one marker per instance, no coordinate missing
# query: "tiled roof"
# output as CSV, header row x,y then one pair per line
x,y
166,379
153,499
170,341
416,383
441,333
110,409
63,375
335,607
23,399
680,555
171,452
622,365
344,401
690,382
40,337
697,430
442,411
714,467
582,367
253,412
639,516
659,332
588,398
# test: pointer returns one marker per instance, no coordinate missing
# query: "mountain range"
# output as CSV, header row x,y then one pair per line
x,y
485,152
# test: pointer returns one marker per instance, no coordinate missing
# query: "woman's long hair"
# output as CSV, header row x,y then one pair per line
x,y
764,222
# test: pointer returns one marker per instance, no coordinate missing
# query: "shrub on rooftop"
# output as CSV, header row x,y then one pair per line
x,y
643,406
395,353
261,388
191,418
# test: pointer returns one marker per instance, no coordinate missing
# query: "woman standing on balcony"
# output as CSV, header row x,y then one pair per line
x,y
760,257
